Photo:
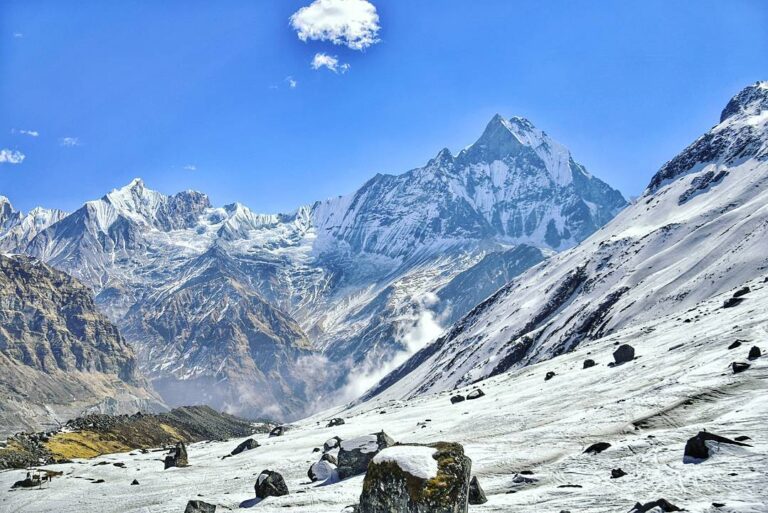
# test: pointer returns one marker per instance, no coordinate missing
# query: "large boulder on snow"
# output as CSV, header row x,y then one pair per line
x,y
199,507
278,431
336,422
697,448
754,353
321,471
245,446
476,492
270,484
177,457
623,354
355,454
331,444
417,479
657,505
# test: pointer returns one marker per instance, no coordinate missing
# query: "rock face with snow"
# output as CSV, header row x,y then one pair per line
x,y
355,454
58,355
417,479
267,315
679,244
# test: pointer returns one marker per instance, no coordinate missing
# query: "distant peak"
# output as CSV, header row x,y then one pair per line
x,y
751,100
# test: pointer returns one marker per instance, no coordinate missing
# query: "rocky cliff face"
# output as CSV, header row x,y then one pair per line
x,y
244,311
58,355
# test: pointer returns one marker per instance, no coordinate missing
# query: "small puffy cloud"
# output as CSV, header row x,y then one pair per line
x,y
11,156
292,82
68,142
323,60
190,167
31,133
353,23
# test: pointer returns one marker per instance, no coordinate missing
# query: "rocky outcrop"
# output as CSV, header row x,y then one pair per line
x,y
177,457
476,492
356,453
417,479
697,449
270,484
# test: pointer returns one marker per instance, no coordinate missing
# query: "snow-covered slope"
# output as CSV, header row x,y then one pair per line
x,y
698,232
357,276
17,228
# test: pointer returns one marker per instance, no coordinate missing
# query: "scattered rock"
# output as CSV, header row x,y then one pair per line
x,y
742,292
754,353
718,504
457,398
696,449
277,431
623,354
739,367
617,473
330,458
270,484
476,493
549,376
199,507
331,443
98,481
597,448
336,422
245,446
29,482
521,479
119,464
732,301
399,481
475,394
742,438
589,363
321,471
735,345
355,454
135,482
661,504
177,457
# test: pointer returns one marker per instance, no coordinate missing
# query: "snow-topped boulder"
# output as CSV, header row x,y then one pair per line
x,y
270,484
321,471
356,453
417,479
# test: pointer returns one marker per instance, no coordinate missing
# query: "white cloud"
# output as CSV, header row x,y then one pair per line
x,y
69,142
323,60
18,35
31,133
11,156
190,167
292,82
353,23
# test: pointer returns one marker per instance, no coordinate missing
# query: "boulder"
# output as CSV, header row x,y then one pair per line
x,y
331,443
623,354
732,301
739,367
245,446
355,454
662,504
617,473
336,422
28,482
330,458
589,363
597,448
321,471
277,431
754,353
199,507
177,457
270,484
431,478
475,394
457,398
735,345
742,292
135,482
696,449
550,375
476,493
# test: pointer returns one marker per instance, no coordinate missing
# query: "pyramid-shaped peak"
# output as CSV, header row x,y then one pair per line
x,y
753,99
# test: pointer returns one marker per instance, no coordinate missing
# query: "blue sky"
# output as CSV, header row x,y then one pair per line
x,y
115,90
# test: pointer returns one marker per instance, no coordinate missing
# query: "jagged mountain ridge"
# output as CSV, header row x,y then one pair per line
x,y
695,234
58,355
349,273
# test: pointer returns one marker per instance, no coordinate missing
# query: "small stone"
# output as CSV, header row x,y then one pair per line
x,y
135,482
589,363
617,473
549,376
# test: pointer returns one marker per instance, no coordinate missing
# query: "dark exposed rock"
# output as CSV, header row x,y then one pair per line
x,y
742,438
457,398
277,431
355,454
735,345
742,292
754,353
475,394
597,448
739,367
270,484
28,482
330,458
732,301
177,457
247,445
617,473
135,482
589,363
624,353
696,448
550,375
662,504
199,507
331,443
476,492
388,488
336,422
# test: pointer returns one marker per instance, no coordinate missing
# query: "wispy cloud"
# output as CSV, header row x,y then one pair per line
x,y
352,23
190,167
18,35
323,60
292,82
11,156
31,133
68,142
